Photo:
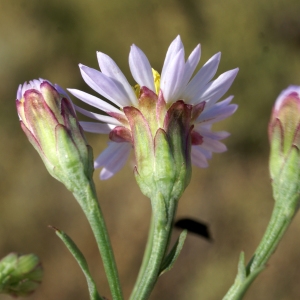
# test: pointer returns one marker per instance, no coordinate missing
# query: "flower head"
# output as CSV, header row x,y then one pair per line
x,y
284,135
49,120
159,105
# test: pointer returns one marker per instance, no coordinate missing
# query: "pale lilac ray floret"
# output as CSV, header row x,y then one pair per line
x,y
175,83
291,90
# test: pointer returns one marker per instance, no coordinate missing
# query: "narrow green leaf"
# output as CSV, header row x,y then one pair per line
x,y
242,280
77,254
170,259
241,267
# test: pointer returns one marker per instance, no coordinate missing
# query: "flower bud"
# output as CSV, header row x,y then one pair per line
x,y
49,120
284,138
20,275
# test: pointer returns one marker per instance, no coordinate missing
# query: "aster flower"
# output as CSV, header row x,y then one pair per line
x,y
154,97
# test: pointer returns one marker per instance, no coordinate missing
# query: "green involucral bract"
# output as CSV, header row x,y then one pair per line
x,y
161,145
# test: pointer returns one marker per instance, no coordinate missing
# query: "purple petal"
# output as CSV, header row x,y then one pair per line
x,y
94,101
102,118
106,86
203,76
95,127
204,132
285,93
213,91
19,92
140,68
171,81
218,112
25,87
191,65
61,91
112,159
35,84
173,49
110,69
198,158
206,153
213,145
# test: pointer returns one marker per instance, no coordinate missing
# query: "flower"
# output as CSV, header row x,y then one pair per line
x,y
153,97
48,118
284,136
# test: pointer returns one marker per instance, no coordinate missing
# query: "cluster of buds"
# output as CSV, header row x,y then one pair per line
x,y
49,120
20,275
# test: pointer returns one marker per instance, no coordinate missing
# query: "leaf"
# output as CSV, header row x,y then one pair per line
x,y
242,280
170,259
77,254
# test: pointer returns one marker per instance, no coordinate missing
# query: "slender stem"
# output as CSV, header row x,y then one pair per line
x,y
150,275
87,198
152,263
146,256
279,222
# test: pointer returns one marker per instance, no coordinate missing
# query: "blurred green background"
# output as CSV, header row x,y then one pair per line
x,y
48,39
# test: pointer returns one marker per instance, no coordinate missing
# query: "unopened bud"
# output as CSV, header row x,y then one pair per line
x,y
284,135
49,120
20,275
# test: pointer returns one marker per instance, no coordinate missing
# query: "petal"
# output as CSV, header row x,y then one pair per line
x,y
140,68
25,87
285,93
35,84
218,112
112,159
96,127
102,118
191,65
213,91
111,69
106,86
198,158
19,92
206,153
173,49
203,76
61,91
171,80
213,145
219,135
94,101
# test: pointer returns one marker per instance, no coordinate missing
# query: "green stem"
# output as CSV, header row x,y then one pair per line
x,y
150,275
279,222
146,257
87,198
155,251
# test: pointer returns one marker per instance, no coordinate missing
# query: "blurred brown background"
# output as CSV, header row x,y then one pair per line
x,y
48,39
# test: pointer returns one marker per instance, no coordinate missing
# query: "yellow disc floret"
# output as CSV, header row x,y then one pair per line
x,y
156,77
